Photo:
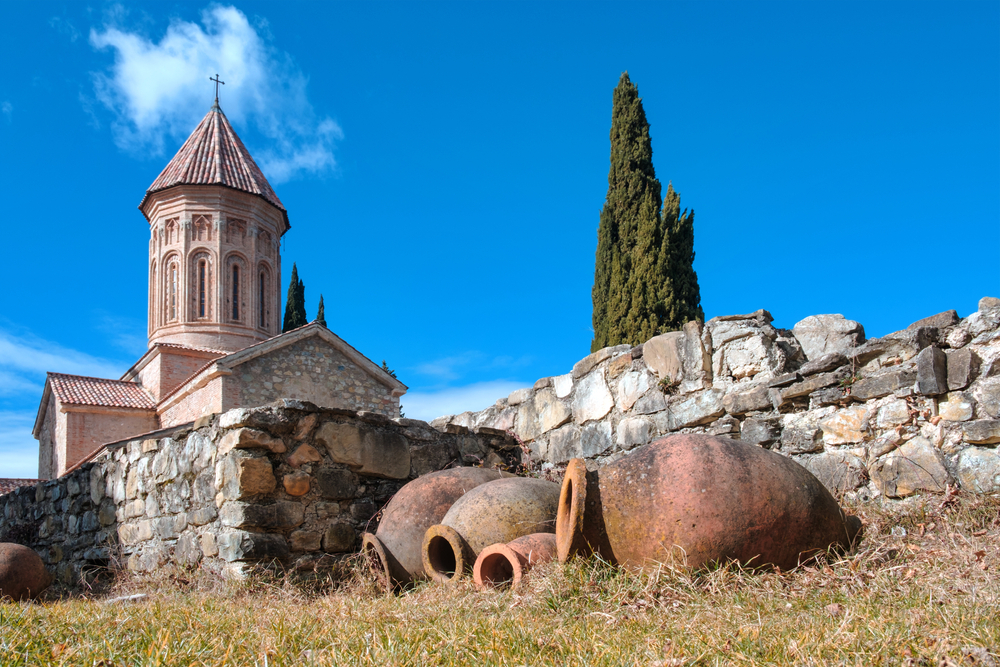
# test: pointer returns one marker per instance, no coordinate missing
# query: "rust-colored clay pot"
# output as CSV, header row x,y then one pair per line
x,y
395,548
703,498
503,564
497,512
22,572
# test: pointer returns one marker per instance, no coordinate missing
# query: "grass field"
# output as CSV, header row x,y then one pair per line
x,y
922,589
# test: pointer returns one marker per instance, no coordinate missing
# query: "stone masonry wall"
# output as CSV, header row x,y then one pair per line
x,y
914,411
289,481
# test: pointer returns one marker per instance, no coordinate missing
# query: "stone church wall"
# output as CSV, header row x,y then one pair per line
x,y
912,412
312,369
289,481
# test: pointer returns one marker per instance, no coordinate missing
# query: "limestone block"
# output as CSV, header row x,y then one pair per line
x,y
958,337
751,400
564,444
132,484
303,454
801,439
339,537
239,545
760,431
915,466
884,444
170,527
978,470
96,485
542,383
892,414
633,432
820,335
695,409
297,483
595,439
233,418
827,362
987,396
280,515
209,546
745,351
199,450
133,509
336,483
304,427
963,367
592,398
981,431
368,451
187,551
845,426
248,438
552,413
203,515
664,354
563,384
650,402
504,421
839,471
305,540
958,406
431,457
619,365
697,360
471,450
813,383
588,363
240,477
932,371
883,384
940,321
630,388
519,396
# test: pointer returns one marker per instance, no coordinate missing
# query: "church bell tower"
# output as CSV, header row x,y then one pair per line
x,y
214,249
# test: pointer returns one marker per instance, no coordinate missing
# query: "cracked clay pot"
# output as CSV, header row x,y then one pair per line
x,y
497,512
394,551
701,499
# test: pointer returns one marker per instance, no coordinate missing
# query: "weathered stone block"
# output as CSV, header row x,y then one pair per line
x,y
845,426
882,384
591,361
564,444
248,438
978,470
519,396
839,471
932,371
802,439
595,438
305,540
753,400
631,387
664,354
202,515
981,431
699,408
592,398
170,527
304,454
297,483
760,431
552,413
963,367
652,401
958,406
363,509
827,362
428,458
368,451
820,335
633,432
241,545
813,383
563,384
242,477
619,365
280,515
987,396
336,483
339,537
915,466
940,321
892,414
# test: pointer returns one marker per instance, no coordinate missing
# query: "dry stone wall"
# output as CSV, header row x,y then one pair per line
x,y
288,482
914,411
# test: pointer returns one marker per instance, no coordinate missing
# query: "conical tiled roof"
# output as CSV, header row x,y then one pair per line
x,y
214,155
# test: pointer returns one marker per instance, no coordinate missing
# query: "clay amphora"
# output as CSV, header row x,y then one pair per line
x,y
496,512
22,573
394,549
704,499
506,564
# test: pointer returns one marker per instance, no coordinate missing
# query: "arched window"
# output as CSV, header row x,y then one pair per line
x,y
172,277
236,291
202,288
263,311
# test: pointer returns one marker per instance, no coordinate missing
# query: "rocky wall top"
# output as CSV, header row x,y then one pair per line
x,y
916,410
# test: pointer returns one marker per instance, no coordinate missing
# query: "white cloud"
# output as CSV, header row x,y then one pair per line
x,y
7,109
428,405
27,355
18,448
160,90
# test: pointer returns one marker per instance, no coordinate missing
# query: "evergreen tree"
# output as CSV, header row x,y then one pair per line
x,y
321,312
644,281
295,303
386,368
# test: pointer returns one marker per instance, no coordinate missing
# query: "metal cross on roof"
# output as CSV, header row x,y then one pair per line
x,y
217,82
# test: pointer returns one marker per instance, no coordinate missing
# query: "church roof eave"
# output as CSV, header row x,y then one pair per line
x,y
147,198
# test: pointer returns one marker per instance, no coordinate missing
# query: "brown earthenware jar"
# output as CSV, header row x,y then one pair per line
x,y
394,551
496,512
506,564
22,573
701,499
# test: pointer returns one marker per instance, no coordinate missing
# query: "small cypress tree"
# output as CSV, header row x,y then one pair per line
x,y
295,303
681,296
320,312
386,368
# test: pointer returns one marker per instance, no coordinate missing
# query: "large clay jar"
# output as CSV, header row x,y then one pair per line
x,y
22,572
506,564
497,512
395,548
701,498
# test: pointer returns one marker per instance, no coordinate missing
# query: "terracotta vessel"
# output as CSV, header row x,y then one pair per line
x,y
506,564
701,498
394,551
22,573
497,512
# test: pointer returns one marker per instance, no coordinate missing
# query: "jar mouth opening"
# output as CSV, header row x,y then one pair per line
x,y
569,518
498,566
444,554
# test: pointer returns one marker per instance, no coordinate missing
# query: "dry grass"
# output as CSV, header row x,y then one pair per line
x,y
929,597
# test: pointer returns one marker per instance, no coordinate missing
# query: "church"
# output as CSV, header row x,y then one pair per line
x,y
215,340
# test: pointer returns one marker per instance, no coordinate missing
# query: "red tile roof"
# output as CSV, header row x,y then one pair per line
x,y
8,485
214,155
79,390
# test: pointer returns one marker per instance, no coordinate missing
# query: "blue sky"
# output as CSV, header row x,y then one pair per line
x,y
444,166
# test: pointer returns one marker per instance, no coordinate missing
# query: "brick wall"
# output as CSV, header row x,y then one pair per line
x,y
87,431
204,401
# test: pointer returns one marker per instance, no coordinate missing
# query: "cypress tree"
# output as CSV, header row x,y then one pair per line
x,y
321,312
644,279
295,303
